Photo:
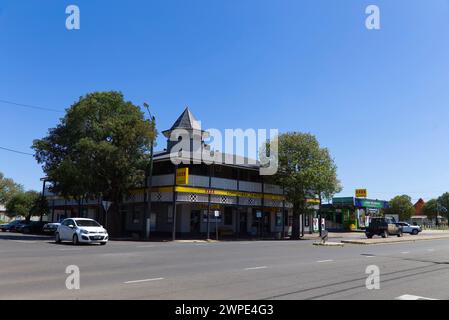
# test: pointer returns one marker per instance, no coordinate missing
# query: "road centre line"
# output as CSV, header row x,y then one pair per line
x,y
412,297
322,261
143,280
256,268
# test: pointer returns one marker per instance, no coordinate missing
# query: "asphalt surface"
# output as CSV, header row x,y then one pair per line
x,y
35,268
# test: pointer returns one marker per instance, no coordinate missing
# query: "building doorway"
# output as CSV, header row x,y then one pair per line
x,y
243,222
195,219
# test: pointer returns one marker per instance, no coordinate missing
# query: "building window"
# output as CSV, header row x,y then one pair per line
x,y
228,216
137,215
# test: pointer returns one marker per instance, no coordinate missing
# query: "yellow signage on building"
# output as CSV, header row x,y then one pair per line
x,y
361,193
182,176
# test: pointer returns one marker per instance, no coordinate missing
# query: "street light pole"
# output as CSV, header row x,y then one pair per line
x,y
148,181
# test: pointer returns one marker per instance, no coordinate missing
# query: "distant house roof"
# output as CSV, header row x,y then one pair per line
x,y
419,206
419,202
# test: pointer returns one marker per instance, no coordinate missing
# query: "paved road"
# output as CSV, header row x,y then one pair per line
x,y
34,268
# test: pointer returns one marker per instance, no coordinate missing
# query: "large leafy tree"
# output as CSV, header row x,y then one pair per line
x,y
443,200
305,170
23,204
432,209
8,188
99,149
401,205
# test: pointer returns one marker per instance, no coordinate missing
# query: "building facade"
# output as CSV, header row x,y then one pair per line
x,y
238,199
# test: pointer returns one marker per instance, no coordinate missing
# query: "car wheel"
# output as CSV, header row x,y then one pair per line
x,y
400,234
415,232
369,236
57,238
385,234
75,240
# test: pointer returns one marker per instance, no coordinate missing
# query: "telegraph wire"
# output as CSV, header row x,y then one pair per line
x,y
29,106
16,151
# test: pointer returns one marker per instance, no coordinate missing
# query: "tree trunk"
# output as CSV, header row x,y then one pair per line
x,y
295,224
114,227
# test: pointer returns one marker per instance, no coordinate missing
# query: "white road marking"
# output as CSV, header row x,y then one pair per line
x,y
412,297
322,261
24,241
256,268
143,280
405,252
430,250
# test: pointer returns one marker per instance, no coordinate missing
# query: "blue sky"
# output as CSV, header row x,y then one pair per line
x,y
377,99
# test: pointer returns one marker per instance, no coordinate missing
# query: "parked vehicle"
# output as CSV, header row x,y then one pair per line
x,y
384,227
11,226
50,228
408,228
81,230
31,227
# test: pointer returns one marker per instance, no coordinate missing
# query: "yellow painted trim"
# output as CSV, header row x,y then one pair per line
x,y
229,193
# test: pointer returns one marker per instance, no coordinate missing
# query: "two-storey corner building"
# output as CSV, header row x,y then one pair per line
x,y
241,203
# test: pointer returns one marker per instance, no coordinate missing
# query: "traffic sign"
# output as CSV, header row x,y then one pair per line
x,y
106,205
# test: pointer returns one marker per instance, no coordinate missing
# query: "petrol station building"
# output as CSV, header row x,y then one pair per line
x,y
351,213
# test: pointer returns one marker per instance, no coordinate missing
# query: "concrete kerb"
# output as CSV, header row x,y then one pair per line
x,y
393,240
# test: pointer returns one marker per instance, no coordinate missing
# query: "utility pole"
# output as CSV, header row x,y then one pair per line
x,y
208,202
438,214
44,180
148,180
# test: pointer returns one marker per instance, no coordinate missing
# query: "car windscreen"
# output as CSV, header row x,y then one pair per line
x,y
87,223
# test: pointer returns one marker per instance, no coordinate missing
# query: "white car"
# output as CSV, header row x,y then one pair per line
x,y
81,230
408,228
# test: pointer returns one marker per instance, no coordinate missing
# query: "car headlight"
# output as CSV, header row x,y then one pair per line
x,y
84,231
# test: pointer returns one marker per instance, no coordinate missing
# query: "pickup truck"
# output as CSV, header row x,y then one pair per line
x,y
384,227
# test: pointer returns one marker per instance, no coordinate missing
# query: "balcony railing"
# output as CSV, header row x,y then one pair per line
x,y
218,183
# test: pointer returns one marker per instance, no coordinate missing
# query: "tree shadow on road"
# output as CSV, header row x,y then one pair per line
x,y
22,237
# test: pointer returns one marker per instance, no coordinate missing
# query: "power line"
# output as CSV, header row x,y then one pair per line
x,y
29,106
15,151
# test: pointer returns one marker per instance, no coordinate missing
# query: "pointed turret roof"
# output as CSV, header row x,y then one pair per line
x,y
185,121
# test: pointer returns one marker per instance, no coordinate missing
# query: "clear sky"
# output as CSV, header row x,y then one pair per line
x,y
377,99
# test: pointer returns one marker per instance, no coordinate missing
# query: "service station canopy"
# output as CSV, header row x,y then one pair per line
x,y
359,203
